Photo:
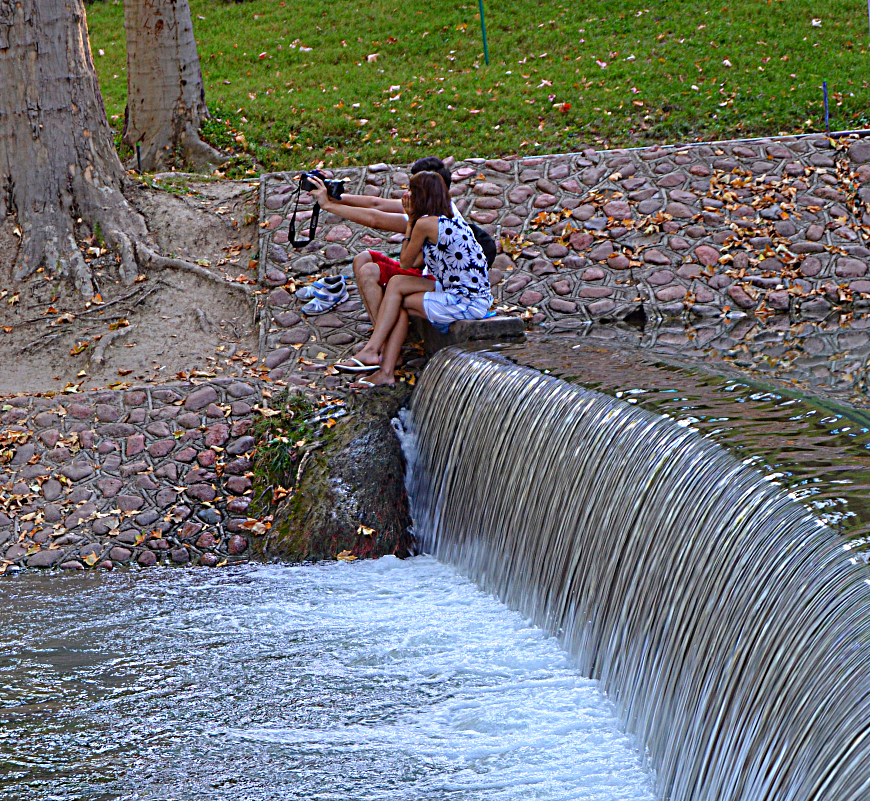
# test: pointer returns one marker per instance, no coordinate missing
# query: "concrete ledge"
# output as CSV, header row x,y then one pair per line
x,y
488,329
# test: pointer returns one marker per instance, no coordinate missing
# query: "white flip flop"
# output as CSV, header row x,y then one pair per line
x,y
357,366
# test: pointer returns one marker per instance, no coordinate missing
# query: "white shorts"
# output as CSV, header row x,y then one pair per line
x,y
443,308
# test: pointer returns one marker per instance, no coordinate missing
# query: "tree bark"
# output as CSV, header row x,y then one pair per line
x,y
58,165
165,95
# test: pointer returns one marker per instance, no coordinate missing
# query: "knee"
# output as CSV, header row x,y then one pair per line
x,y
364,267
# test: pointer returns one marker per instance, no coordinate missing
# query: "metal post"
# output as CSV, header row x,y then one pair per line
x,y
483,30
827,119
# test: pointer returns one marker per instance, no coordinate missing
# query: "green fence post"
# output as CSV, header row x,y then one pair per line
x,y
483,31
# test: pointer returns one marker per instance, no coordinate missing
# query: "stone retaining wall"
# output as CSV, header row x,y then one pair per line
x,y
769,226
147,475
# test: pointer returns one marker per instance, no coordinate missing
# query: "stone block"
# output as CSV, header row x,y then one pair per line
x,y
462,331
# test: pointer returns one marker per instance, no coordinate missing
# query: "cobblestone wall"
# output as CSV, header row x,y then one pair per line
x,y
769,226
147,475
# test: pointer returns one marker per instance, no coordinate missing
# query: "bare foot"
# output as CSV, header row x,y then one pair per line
x,y
378,379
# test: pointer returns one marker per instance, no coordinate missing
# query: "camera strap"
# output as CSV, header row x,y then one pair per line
x,y
312,228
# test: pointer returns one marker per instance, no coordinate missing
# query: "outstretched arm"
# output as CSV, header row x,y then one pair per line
x,y
378,203
372,218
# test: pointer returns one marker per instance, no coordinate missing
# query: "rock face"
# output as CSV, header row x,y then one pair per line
x,y
352,496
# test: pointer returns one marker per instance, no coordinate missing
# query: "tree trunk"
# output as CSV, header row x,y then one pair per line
x,y
165,96
58,165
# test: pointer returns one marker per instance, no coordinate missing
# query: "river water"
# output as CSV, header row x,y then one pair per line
x,y
378,680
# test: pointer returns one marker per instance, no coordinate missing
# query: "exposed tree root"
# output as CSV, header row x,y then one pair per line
x,y
154,260
43,340
99,356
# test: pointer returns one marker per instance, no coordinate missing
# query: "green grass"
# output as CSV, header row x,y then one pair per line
x,y
429,91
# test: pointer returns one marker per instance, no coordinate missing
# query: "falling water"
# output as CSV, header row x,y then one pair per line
x,y
724,621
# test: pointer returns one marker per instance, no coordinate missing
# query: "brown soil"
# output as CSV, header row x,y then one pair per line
x,y
169,322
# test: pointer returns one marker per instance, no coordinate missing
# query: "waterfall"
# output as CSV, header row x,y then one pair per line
x,y
726,624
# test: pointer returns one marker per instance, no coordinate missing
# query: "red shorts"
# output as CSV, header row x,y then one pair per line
x,y
390,267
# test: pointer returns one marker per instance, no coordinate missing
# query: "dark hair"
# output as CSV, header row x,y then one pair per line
x,y
432,164
429,196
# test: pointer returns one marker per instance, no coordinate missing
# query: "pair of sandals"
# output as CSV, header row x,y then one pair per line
x,y
323,295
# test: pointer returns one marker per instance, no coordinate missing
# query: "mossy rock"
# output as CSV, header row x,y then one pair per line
x,y
351,497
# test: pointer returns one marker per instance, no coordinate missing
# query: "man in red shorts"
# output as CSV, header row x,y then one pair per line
x,y
372,269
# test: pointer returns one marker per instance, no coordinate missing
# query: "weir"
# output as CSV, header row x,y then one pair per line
x,y
724,621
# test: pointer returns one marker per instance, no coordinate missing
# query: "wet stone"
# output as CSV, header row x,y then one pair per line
x,y
179,555
206,540
208,560
44,558
147,559
15,552
702,294
237,545
119,554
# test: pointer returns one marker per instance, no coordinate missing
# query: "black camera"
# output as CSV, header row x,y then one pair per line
x,y
334,188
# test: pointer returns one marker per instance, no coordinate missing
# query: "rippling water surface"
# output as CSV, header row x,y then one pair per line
x,y
378,680
816,448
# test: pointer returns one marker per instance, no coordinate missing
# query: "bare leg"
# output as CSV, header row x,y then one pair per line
x,y
368,276
403,290
391,351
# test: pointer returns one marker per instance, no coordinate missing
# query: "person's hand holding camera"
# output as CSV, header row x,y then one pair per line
x,y
319,191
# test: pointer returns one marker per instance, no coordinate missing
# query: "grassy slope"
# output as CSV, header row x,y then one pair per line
x,y
664,77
